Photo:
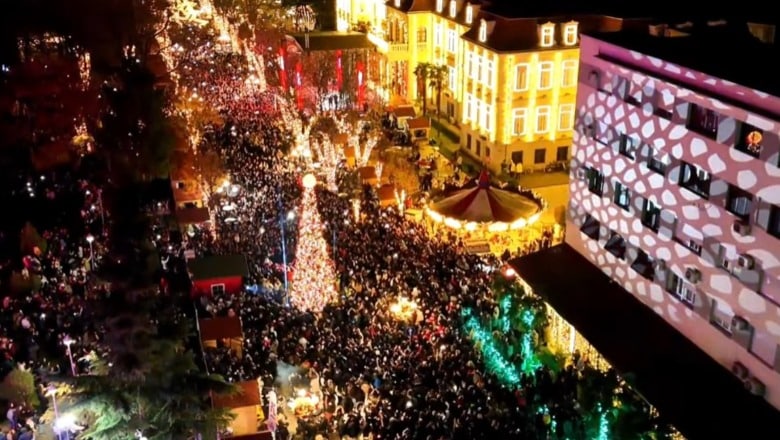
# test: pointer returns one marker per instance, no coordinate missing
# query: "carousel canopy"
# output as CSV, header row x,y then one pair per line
x,y
484,203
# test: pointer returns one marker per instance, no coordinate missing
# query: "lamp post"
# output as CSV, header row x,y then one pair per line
x,y
282,225
90,240
51,391
68,341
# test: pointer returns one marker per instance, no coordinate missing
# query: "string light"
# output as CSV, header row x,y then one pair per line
x,y
314,277
531,362
495,362
603,433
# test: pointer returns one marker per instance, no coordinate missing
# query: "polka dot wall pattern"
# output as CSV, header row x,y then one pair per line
x,y
671,137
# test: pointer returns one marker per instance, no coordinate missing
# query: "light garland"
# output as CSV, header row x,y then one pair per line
x,y
495,361
603,433
404,309
314,277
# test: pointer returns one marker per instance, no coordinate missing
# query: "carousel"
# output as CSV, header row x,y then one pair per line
x,y
486,213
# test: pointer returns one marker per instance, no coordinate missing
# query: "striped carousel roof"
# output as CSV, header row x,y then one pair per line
x,y
485,203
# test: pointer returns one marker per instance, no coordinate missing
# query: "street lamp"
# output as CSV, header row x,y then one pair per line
x,y
90,240
51,391
68,341
282,225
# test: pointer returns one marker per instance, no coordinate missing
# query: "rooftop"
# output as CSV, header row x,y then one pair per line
x,y
727,52
699,397
218,266
333,40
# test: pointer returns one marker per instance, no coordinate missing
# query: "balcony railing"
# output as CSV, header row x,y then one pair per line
x,y
399,47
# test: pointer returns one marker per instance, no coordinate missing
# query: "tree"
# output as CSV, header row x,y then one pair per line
x,y
437,80
19,387
144,378
318,69
421,72
30,239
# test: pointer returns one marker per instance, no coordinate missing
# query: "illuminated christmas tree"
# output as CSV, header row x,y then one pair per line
x,y
314,276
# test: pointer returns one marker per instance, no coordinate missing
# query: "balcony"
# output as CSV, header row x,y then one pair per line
x,y
399,47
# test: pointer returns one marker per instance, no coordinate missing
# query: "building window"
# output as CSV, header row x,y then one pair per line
x,y
616,245
750,140
569,76
470,65
437,36
547,35
422,35
540,156
543,119
739,202
466,107
452,41
644,265
519,116
487,152
469,14
474,112
521,77
657,163
486,118
591,227
482,31
703,121
651,215
565,117
773,226
488,72
695,179
479,149
562,154
595,181
681,289
453,9
545,75
452,77
439,5
570,34
622,195
627,146
217,289
517,157
721,316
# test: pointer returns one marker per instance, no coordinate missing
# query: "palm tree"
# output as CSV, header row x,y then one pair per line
x,y
437,80
421,72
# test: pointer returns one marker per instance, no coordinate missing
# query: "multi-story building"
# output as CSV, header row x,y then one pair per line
x,y
675,186
510,76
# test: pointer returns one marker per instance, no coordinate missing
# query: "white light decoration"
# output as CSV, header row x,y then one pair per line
x,y
547,35
85,67
379,167
329,158
570,33
482,31
469,14
309,181
453,9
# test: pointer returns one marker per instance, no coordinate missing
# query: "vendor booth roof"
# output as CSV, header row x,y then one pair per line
x,y
248,394
404,112
227,327
419,123
484,203
192,216
218,266
367,173
340,139
386,192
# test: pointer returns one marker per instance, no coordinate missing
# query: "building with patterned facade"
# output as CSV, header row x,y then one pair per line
x,y
675,186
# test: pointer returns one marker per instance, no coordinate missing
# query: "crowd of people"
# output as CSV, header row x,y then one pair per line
x,y
42,317
375,375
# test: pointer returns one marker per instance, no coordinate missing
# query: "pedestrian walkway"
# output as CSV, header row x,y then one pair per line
x,y
699,397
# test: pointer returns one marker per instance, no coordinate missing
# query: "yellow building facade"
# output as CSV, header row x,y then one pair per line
x,y
511,82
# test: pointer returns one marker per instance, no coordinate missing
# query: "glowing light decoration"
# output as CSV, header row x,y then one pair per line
x,y
314,277
309,181
531,362
404,310
495,361
603,424
304,403
329,158
85,69
379,168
